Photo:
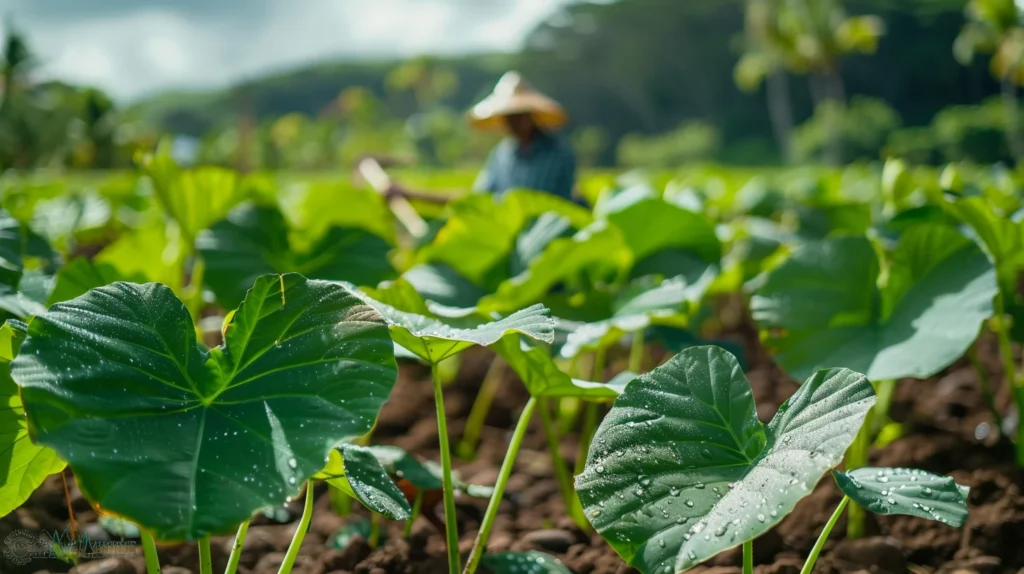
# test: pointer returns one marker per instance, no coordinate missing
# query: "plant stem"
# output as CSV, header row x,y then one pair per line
x,y
205,564
340,501
586,435
813,556
149,549
499,488
572,502
1010,371
374,540
450,527
986,389
300,532
590,414
748,557
597,373
417,507
481,406
857,457
236,548
884,390
636,352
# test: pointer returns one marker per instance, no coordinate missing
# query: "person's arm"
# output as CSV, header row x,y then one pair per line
x,y
428,196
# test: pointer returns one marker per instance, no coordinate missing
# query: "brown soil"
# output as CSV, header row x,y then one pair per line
x,y
941,418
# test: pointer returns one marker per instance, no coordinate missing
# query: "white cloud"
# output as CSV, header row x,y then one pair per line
x,y
131,49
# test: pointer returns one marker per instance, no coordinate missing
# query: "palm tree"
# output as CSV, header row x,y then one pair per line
x,y
764,61
821,33
807,37
995,27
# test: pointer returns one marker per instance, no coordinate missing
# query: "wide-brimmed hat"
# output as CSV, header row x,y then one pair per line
x,y
514,95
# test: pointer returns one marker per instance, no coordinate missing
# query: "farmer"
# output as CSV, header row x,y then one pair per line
x,y
531,157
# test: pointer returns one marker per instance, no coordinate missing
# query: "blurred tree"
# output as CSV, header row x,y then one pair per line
x,y
817,34
861,127
764,62
995,27
691,141
589,142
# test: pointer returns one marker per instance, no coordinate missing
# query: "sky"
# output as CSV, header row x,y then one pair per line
x,y
132,48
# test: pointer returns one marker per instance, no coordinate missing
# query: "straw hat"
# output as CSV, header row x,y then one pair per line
x,y
514,95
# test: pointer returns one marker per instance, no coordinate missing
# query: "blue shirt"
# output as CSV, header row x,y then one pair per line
x,y
547,164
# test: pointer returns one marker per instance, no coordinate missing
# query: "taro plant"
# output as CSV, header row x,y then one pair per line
x,y
434,340
108,376
681,469
23,464
255,240
909,313
1002,237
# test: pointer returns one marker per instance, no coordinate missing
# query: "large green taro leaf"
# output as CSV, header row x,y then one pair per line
x,y
822,308
599,249
653,225
906,491
482,229
193,198
117,384
1002,237
254,241
433,339
23,465
681,469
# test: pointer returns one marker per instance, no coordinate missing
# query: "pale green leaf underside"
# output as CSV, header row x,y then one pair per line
x,y
906,491
823,309
434,340
543,378
109,377
681,469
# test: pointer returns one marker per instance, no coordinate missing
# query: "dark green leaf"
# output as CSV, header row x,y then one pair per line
x,y
253,241
821,307
109,376
652,225
906,491
357,472
531,562
343,537
681,469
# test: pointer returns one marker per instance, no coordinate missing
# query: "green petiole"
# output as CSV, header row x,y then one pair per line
x,y
236,548
816,550
300,532
450,527
499,488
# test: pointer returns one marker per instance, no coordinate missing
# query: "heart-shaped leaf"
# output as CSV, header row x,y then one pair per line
x,y
652,225
598,249
23,465
109,376
193,198
681,469
906,491
357,472
434,340
481,230
254,241
531,562
821,307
